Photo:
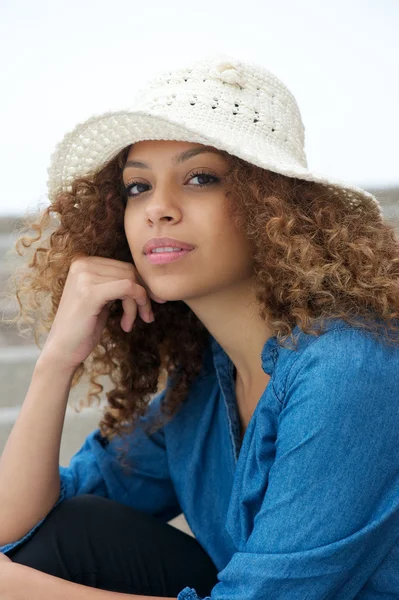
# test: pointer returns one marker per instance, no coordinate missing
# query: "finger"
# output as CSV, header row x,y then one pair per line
x,y
145,309
101,260
105,270
123,290
141,298
142,301
120,269
129,313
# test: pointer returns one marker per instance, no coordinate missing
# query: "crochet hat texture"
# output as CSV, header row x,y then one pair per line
x,y
221,101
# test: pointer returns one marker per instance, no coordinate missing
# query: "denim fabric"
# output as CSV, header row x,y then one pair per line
x,y
308,507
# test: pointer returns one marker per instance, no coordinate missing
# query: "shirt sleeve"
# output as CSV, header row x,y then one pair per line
x,y
330,513
95,469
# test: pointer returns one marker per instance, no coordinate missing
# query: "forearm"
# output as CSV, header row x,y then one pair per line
x,y
29,473
18,582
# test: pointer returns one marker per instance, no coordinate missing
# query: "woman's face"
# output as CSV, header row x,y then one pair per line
x,y
168,200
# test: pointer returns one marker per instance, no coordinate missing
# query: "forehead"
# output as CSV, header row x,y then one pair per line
x,y
170,147
143,153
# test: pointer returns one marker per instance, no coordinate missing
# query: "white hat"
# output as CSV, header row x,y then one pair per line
x,y
221,101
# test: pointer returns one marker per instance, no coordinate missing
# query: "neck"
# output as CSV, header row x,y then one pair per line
x,y
232,318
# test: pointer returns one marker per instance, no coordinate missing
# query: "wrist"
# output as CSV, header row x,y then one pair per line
x,y
50,361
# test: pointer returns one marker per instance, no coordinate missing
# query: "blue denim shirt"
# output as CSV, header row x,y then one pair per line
x,y
308,506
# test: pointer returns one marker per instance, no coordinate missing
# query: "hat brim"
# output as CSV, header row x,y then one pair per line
x,y
97,140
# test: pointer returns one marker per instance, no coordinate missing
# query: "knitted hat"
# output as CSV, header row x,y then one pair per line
x,y
236,106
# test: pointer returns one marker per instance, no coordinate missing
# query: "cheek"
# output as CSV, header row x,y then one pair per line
x,y
132,234
228,248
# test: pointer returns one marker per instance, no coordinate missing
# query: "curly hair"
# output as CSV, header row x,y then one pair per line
x,y
316,256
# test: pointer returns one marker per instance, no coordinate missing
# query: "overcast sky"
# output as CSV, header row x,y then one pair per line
x,y
63,61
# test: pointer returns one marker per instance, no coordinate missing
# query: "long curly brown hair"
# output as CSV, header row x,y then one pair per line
x,y
315,257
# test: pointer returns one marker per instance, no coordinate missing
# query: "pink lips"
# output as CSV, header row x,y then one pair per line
x,y
161,258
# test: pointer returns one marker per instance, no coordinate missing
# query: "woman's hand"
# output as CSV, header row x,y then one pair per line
x,y
92,285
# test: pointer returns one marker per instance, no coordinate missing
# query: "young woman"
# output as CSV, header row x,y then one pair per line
x,y
247,312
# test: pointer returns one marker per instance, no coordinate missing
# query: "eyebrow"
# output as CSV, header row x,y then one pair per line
x,y
178,158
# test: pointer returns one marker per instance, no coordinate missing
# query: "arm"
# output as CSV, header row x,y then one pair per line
x,y
18,582
95,469
29,476
329,514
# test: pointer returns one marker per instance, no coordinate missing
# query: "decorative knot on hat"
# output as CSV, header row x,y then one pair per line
x,y
228,72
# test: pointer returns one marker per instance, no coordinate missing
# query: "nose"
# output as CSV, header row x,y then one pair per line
x,y
162,205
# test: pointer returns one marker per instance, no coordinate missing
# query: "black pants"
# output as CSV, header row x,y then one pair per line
x,y
103,544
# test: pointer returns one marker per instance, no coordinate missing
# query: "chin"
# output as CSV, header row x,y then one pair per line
x,y
176,288
170,296
167,297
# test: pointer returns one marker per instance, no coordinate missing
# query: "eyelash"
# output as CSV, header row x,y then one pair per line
x,y
194,174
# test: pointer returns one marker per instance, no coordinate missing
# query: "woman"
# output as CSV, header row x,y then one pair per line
x,y
268,333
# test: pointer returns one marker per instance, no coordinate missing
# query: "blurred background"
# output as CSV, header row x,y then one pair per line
x,y
63,61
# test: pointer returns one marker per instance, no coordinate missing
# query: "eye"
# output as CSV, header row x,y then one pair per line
x,y
131,185
201,174
197,174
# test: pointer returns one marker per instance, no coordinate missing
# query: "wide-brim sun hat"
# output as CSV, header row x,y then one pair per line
x,y
220,101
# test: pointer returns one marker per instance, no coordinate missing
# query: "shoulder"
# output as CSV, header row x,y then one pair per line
x,y
342,353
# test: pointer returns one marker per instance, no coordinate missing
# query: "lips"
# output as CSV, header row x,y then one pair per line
x,y
165,242
161,258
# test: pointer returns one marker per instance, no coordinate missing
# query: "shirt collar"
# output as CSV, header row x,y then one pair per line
x,y
268,356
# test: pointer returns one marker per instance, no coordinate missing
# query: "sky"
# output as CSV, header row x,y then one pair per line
x,y
63,61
